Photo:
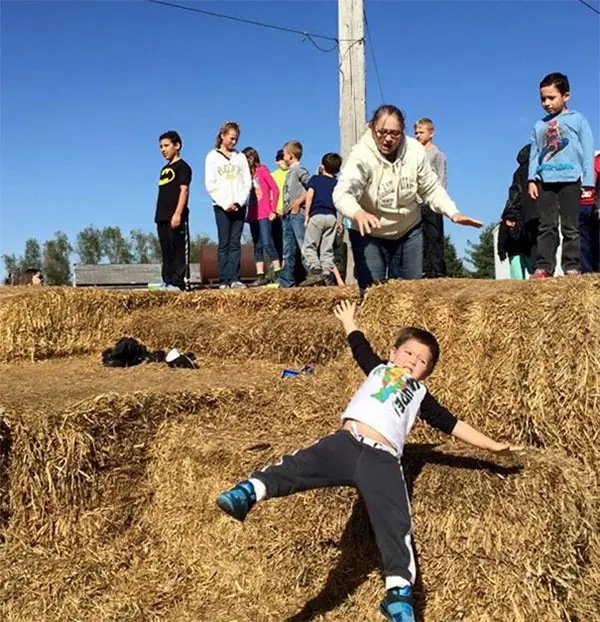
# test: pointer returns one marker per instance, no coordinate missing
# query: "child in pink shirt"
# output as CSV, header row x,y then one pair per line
x,y
262,210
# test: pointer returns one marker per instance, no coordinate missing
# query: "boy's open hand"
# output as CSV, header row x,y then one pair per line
x,y
344,312
505,448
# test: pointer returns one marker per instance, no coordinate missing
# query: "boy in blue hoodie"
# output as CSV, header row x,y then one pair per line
x,y
561,162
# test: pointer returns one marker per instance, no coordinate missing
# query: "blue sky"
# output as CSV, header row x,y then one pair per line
x,y
87,87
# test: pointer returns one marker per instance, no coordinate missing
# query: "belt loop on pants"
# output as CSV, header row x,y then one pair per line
x,y
370,442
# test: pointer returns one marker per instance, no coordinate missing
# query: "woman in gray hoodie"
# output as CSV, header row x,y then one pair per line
x,y
378,189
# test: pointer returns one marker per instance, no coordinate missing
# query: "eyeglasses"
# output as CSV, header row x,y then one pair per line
x,y
391,133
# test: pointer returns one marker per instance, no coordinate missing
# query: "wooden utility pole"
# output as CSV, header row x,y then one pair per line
x,y
353,113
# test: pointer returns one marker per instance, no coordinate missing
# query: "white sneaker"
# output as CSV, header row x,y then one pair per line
x,y
223,286
237,285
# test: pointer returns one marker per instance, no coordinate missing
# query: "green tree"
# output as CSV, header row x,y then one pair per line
x,y
454,265
56,264
141,246
32,257
89,246
154,248
115,246
11,263
481,254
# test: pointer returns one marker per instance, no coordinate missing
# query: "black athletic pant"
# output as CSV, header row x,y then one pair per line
x,y
175,248
342,460
434,265
558,200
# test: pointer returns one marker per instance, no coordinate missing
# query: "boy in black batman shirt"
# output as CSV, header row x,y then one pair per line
x,y
172,214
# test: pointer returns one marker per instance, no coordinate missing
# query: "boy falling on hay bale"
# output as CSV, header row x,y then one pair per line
x,y
365,453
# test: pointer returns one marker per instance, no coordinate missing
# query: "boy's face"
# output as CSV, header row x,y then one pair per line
x,y
424,134
168,149
553,102
414,356
229,140
282,165
288,157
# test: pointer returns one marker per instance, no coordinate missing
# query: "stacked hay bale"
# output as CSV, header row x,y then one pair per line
x,y
134,533
241,325
112,500
521,361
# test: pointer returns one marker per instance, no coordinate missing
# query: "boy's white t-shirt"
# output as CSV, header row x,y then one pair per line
x,y
388,401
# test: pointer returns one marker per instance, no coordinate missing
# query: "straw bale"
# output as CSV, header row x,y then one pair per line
x,y
58,322
112,512
121,582
497,538
521,360
83,465
306,337
68,321
55,384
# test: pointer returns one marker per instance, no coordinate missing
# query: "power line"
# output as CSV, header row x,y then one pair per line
x,y
303,33
370,39
589,6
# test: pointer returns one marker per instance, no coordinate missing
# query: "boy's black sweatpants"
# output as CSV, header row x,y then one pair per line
x,y
175,248
342,460
434,265
556,200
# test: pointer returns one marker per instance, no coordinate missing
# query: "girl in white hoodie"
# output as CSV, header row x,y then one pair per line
x,y
378,189
228,181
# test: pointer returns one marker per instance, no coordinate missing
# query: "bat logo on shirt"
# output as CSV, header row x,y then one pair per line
x,y
167,175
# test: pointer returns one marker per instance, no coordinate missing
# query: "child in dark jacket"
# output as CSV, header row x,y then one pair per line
x,y
519,223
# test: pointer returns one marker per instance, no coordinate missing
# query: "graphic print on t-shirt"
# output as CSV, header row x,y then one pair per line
x,y
167,175
396,381
554,142
229,170
172,176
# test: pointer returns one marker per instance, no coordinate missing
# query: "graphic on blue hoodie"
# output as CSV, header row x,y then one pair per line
x,y
554,143
562,149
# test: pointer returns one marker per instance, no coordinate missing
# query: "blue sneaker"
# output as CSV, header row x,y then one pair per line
x,y
238,501
397,605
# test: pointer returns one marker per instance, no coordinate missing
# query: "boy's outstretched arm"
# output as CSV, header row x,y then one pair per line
x,y
361,349
470,435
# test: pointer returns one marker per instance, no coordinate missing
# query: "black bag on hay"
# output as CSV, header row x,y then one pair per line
x,y
176,359
129,351
126,353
